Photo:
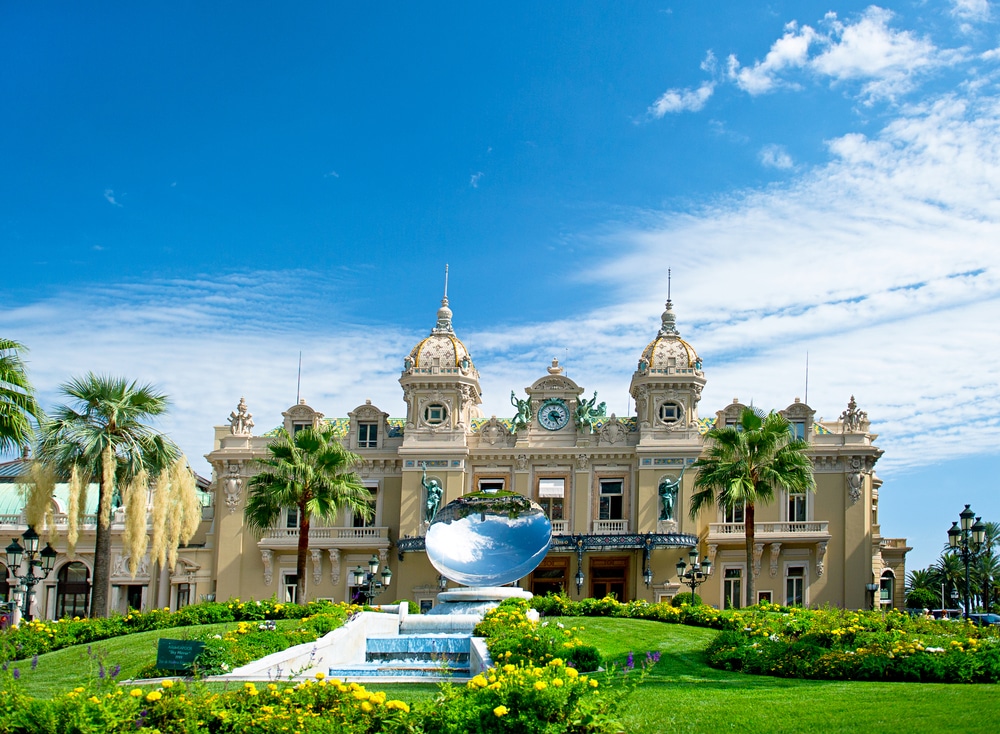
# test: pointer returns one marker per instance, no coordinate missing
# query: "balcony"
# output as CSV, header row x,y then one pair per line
x,y
771,532
284,538
560,527
610,527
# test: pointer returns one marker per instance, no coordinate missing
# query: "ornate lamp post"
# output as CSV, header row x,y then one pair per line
x,y
35,560
369,580
966,539
698,573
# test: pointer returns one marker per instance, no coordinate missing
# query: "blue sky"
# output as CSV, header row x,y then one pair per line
x,y
190,195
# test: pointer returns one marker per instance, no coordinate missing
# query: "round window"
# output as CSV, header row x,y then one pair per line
x,y
671,412
435,414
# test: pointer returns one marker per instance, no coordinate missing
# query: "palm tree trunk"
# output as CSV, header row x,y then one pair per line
x,y
751,535
300,556
102,546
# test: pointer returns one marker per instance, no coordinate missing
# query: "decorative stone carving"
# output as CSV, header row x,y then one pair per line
x,y
233,486
494,431
775,550
241,420
383,557
820,556
317,559
855,480
581,462
521,462
268,557
612,432
121,566
854,420
334,554
758,551
713,548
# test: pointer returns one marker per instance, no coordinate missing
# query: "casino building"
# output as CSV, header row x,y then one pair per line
x,y
616,489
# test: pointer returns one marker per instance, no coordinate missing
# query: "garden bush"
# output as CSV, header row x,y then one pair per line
x,y
687,598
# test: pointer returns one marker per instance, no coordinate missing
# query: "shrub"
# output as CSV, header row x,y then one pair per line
x,y
686,597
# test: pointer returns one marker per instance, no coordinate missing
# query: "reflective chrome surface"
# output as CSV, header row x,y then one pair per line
x,y
485,539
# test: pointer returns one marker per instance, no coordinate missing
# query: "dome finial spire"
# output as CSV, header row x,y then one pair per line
x,y
444,313
668,319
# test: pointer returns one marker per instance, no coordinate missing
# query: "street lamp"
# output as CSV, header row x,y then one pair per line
x,y
442,582
698,573
35,560
369,580
966,540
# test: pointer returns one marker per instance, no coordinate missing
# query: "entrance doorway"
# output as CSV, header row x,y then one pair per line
x,y
609,576
552,575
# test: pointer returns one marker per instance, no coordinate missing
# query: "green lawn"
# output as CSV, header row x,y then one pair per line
x,y
682,694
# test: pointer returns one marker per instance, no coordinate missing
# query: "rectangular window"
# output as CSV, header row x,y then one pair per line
x,y
610,501
797,429
551,494
733,514
796,507
183,595
491,485
291,518
290,582
368,436
359,521
763,596
794,577
732,589
296,427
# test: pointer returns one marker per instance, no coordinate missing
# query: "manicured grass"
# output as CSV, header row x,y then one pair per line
x,y
683,694
62,670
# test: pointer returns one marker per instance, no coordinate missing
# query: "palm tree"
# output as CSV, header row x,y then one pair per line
x,y
950,571
18,407
744,465
313,473
104,435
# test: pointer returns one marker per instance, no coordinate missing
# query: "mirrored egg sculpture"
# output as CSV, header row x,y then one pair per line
x,y
488,539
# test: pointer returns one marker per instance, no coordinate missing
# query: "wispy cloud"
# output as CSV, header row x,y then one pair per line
x,y
775,156
109,196
976,10
882,62
474,179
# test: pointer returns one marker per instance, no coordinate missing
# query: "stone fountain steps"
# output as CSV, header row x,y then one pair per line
x,y
435,657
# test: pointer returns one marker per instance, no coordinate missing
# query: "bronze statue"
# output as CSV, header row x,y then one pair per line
x,y
586,414
434,494
523,417
668,495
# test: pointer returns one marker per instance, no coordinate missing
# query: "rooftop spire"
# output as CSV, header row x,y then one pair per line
x,y
668,319
444,313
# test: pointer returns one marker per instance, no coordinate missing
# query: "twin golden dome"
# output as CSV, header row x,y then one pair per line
x,y
668,351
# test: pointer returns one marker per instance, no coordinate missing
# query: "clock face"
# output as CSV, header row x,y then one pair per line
x,y
553,415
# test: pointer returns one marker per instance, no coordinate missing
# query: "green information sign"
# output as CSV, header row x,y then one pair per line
x,y
177,654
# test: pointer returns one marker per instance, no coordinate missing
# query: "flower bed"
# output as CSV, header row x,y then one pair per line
x,y
832,644
539,692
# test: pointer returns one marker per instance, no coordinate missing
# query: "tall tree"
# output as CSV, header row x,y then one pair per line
x,y
743,465
313,473
104,436
19,409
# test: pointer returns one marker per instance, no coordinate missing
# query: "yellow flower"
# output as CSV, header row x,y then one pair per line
x,y
320,676
167,684
366,707
557,682
541,685
500,711
154,696
94,699
593,683
79,690
135,693
508,668
571,673
399,705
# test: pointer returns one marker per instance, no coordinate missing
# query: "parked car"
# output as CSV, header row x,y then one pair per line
x,y
992,620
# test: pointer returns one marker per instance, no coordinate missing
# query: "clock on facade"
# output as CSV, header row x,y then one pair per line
x,y
553,414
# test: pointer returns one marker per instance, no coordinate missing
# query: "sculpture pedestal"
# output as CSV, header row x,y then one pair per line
x,y
476,599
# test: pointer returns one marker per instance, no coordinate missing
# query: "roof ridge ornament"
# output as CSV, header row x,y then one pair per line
x,y
668,326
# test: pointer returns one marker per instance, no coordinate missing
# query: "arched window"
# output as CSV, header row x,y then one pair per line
x,y
887,587
73,591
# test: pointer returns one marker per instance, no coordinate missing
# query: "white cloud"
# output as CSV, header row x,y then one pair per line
x,y
109,195
682,100
474,179
978,10
789,51
775,156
